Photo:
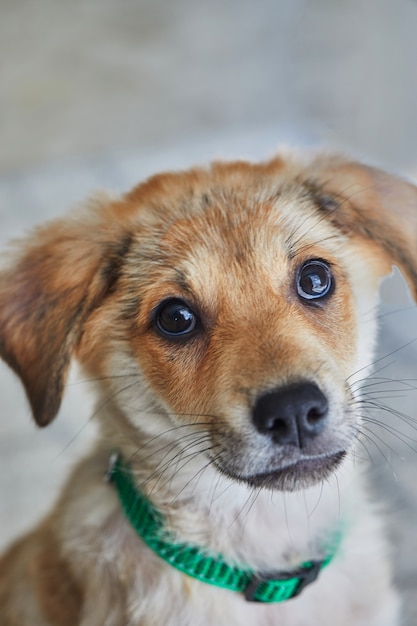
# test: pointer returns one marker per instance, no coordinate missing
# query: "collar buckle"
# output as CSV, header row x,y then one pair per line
x,y
265,584
307,575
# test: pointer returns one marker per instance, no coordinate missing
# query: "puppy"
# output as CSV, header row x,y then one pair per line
x,y
227,318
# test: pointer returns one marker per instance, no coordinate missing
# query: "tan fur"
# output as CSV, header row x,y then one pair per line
x,y
228,241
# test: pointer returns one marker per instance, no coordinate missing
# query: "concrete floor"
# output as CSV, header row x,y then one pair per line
x,y
98,94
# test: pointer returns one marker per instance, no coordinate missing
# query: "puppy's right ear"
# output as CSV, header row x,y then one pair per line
x,y
53,283
369,203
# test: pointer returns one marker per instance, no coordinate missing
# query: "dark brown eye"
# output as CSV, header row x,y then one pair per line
x,y
174,318
315,280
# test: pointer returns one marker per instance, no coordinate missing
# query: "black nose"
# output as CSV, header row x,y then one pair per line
x,y
292,415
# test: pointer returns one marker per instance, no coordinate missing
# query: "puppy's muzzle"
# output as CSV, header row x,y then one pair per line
x,y
294,439
292,415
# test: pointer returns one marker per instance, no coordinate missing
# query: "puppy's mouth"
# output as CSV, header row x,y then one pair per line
x,y
295,476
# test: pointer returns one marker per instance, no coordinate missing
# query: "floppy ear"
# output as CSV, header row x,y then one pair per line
x,y
369,203
59,275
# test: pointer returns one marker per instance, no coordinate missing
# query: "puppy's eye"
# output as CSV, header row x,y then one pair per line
x,y
315,280
174,318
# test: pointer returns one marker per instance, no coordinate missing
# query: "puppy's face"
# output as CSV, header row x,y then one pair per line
x,y
240,299
245,321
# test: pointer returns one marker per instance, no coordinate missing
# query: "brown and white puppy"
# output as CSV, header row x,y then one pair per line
x,y
227,318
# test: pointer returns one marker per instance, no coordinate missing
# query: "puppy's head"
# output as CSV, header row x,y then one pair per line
x,y
237,299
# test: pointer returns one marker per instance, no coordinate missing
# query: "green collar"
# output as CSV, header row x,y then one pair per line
x,y
214,570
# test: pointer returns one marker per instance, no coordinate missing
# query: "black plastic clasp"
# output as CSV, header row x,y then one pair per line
x,y
305,576
252,588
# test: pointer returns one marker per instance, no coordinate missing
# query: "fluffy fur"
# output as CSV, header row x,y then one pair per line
x,y
228,242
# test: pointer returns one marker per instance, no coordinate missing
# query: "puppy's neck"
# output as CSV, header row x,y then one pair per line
x,y
262,528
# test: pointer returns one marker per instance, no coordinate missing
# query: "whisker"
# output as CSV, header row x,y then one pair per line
x,y
318,501
185,461
382,358
255,496
377,382
396,311
242,508
197,475
392,431
97,379
162,467
170,443
359,440
406,419
215,498
375,444
371,437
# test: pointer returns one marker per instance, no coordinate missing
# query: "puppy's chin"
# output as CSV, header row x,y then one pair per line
x,y
294,477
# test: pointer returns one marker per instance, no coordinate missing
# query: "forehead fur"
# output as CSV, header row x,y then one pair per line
x,y
229,210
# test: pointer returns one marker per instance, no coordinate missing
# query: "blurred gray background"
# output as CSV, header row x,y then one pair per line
x,y
101,93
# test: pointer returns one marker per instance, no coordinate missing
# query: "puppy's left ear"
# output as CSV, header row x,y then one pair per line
x,y
368,203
